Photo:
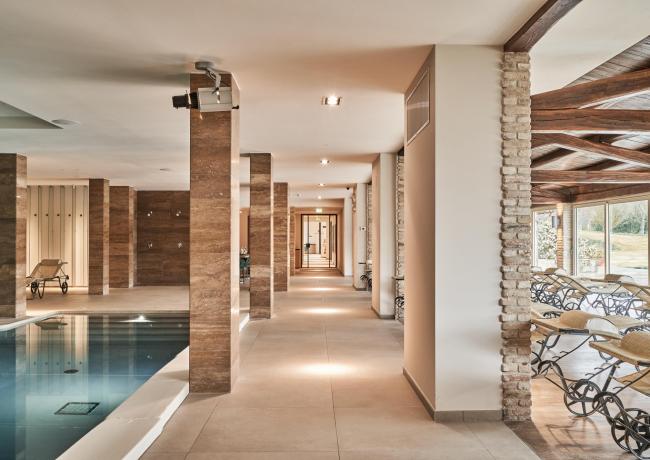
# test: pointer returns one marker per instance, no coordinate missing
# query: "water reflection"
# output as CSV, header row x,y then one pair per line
x,y
76,358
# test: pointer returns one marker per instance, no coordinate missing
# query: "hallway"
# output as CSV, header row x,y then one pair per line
x,y
323,380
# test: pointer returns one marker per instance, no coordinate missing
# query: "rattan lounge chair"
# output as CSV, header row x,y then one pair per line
x,y
47,270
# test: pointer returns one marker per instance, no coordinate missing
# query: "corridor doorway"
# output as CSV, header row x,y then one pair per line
x,y
319,240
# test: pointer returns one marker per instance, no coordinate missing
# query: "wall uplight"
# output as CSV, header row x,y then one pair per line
x,y
324,162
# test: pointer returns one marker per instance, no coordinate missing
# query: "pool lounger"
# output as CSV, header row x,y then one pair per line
x,y
47,270
630,427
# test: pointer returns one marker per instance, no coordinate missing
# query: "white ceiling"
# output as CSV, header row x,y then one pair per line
x,y
114,65
592,33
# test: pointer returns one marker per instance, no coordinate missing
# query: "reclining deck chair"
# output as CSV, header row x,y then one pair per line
x,y
47,270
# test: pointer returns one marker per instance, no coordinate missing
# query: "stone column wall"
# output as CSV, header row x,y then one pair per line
x,y
516,233
214,244
98,236
564,236
369,221
280,236
292,241
261,236
122,237
13,235
399,222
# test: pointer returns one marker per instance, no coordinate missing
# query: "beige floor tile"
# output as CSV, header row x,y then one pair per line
x,y
286,429
382,391
405,427
453,453
264,456
186,424
269,393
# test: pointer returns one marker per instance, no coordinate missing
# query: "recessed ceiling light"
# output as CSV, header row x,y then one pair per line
x,y
64,122
320,197
321,185
331,100
324,162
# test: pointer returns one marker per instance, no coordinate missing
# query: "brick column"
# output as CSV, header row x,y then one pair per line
x,y
13,235
98,236
280,236
122,237
261,236
292,241
214,245
516,236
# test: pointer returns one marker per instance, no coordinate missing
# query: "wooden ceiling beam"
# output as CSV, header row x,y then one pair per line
x,y
540,23
594,92
540,195
577,144
590,177
590,121
600,194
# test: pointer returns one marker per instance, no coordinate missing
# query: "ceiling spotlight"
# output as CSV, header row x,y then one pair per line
x,y
324,162
331,100
320,197
321,185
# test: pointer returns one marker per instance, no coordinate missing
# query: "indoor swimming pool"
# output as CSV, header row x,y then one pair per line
x,y
62,376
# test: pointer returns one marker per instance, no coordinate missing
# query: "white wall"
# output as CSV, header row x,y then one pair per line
x,y
452,330
359,234
468,193
383,234
347,236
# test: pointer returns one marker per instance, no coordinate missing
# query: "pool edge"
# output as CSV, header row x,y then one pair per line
x,y
135,424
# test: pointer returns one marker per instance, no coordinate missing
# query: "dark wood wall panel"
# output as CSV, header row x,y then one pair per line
x,y
163,222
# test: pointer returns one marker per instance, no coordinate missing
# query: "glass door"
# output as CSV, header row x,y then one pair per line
x,y
319,240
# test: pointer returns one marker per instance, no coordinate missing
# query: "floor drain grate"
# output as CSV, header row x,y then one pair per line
x,y
77,408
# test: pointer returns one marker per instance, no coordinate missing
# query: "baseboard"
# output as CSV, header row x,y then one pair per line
x,y
380,316
420,394
446,416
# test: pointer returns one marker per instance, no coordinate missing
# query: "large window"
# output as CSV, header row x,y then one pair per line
x,y
545,239
590,241
612,238
628,240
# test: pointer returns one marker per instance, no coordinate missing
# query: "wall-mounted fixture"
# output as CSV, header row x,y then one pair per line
x,y
179,244
324,162
149,213
321,185
555,222
178,213
331,101
320,197
149,245
319,210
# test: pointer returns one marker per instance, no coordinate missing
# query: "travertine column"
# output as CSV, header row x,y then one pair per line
x,y
122,237
98,236
13,228
292,241
214,245
280,236
515,236
261,236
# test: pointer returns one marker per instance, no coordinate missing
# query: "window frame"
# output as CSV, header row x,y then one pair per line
x,y
606,203
541,209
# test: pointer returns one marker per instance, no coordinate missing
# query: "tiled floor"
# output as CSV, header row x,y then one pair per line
x,y
323,380
137,299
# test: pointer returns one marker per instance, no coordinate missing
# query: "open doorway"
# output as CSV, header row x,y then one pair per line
x,y
319,240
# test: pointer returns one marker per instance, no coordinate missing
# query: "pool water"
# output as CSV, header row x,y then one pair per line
x,y
96,360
